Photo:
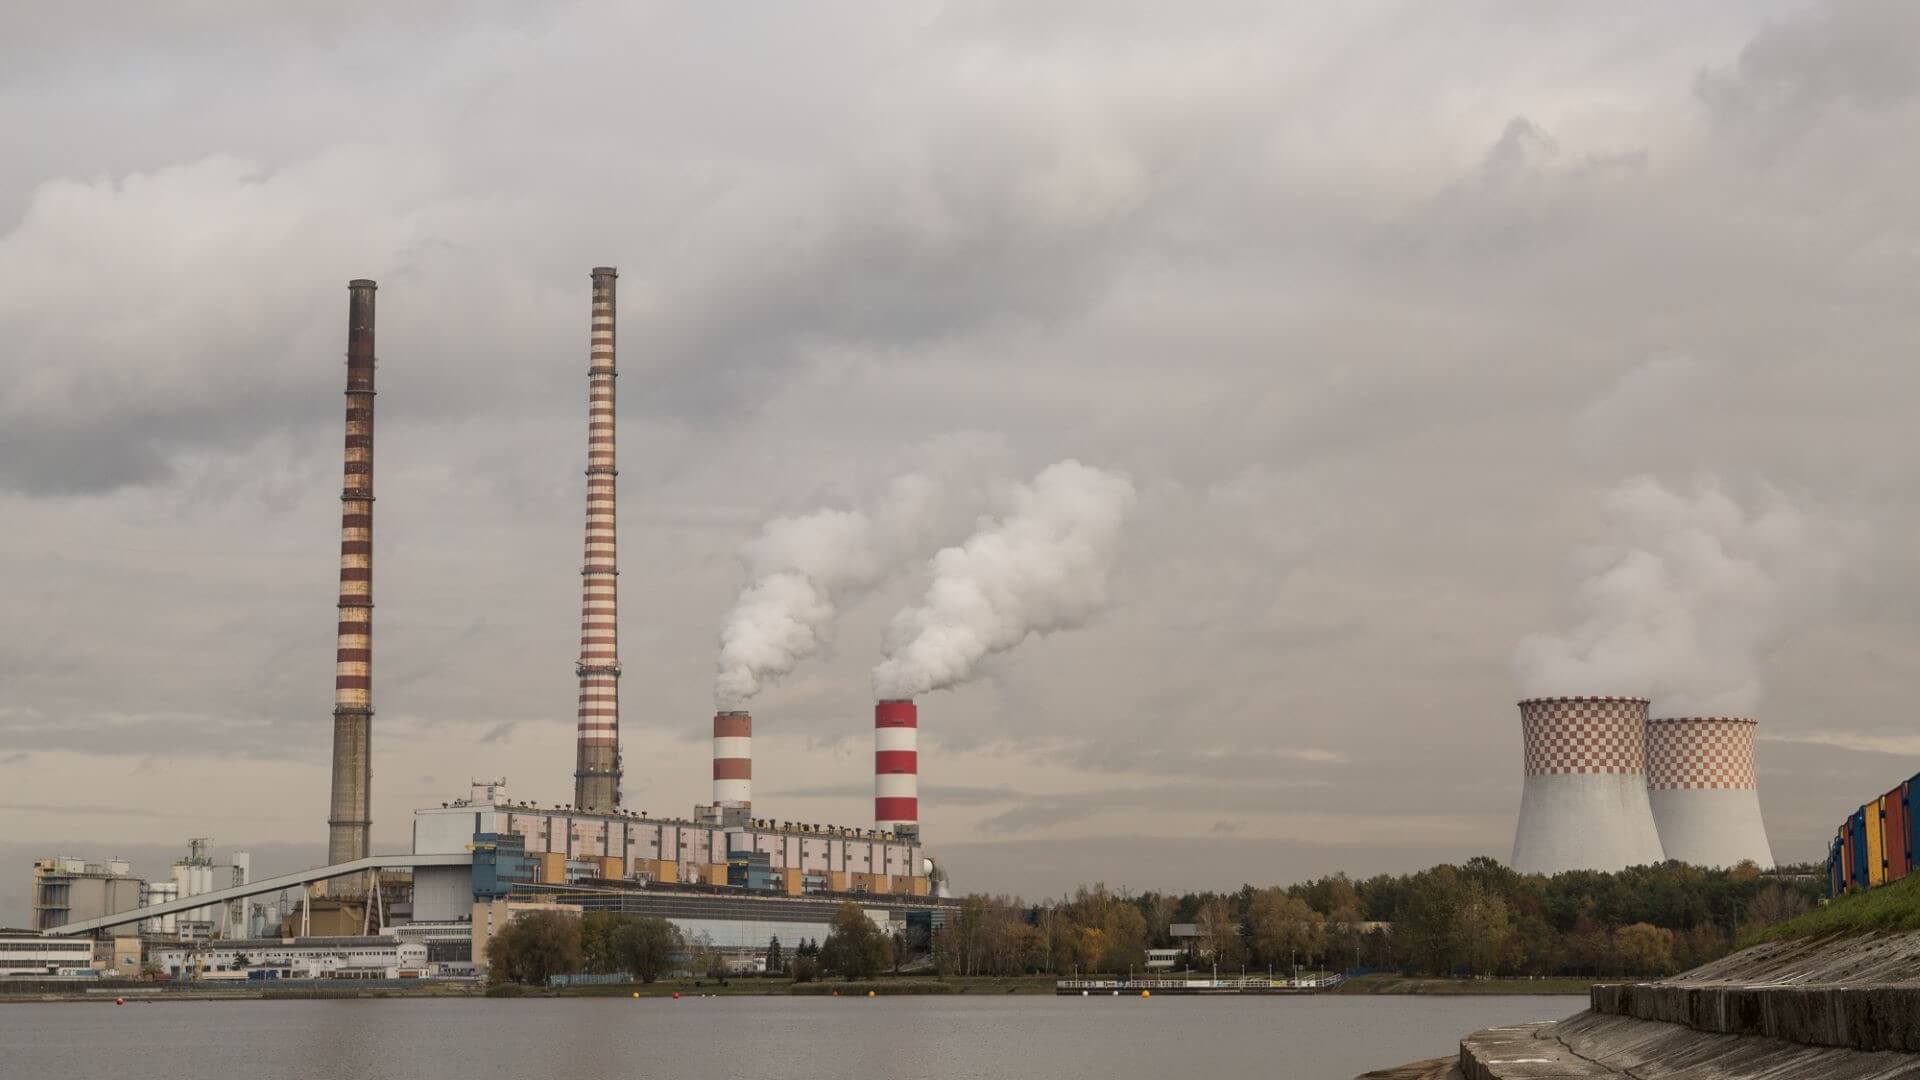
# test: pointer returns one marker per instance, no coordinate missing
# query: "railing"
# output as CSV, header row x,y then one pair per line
x,y
1314,981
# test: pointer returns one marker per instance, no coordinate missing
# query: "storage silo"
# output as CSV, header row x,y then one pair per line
x,y
1700,781
1584,805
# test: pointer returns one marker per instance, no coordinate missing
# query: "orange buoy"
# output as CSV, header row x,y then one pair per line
x,y
1146,993
119,1001
676,995
869,993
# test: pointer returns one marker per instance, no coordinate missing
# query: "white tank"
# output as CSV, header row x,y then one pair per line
x,y
1706,802
1584,805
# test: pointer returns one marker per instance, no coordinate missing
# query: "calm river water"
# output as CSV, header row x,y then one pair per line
x,y
903,1038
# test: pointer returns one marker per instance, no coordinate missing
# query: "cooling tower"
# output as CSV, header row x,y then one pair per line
x,y
896,767
1584,806
732,759
596,775
350,813
1700,780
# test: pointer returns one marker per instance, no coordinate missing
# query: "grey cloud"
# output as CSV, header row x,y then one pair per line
x,y
1852,52
1358,315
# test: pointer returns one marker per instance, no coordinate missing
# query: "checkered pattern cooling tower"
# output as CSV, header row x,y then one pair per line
x,y
1584,802
1700,781
1584,735
596,776
1706,752
896,767
732,759
350,813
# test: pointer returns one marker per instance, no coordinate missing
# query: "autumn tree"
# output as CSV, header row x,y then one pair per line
x,y
855,948
534,947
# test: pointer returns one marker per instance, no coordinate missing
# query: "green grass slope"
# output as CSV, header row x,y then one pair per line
x,y
1889,908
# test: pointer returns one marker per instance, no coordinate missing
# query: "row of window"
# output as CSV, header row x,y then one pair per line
x,y
81,948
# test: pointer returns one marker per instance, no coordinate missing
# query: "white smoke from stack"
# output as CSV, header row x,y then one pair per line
x,y
1041,567
800,570
1682,600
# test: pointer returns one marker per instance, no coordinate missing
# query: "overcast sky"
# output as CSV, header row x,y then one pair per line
x,y
1375,303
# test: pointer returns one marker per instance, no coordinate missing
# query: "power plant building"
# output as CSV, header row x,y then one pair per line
x,y
1584,804
68,890
1702,787
570,846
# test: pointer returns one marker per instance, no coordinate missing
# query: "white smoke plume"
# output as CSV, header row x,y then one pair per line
x,y
801,569
1683,599
1041,567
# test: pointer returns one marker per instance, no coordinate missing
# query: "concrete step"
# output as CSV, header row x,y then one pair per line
x,y
1593,1045
1445,1068
1524,1052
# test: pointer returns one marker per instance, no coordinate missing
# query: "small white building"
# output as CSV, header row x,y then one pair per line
x,y
296,958
24,953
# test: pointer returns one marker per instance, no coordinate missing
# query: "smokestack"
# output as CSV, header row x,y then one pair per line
x,y
733,759
596,776
1584,805
896,767
350,816
1700,780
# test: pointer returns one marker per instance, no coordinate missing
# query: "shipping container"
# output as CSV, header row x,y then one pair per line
x,y
1908,792
1876,844
1894,806
1857,849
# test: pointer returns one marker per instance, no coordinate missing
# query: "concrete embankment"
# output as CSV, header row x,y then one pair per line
x,y
1836,1009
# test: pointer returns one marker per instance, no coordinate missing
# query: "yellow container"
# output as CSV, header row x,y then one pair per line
x,y
612,867
553,868
1876,849
837,880
669,872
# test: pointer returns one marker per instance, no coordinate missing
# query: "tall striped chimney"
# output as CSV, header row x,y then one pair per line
x,y
896,767
733,759
596,775
350,815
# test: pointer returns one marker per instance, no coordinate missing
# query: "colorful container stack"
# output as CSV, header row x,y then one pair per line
x,y
1875,846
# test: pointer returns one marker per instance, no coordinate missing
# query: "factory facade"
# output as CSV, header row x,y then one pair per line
x,y
567,846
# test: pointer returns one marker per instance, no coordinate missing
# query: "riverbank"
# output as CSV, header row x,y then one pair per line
x,y
1407,984
886,985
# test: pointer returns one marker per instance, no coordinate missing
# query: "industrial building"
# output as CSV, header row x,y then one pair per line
x,y
66,889
1705,798
307,958
1584,803
568,845
27,953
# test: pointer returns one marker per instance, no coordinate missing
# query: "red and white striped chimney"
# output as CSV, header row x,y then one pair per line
x,y
596,777
733,759
896,767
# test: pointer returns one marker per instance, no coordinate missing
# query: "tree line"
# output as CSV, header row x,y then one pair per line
x,y
1476,918
538,945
